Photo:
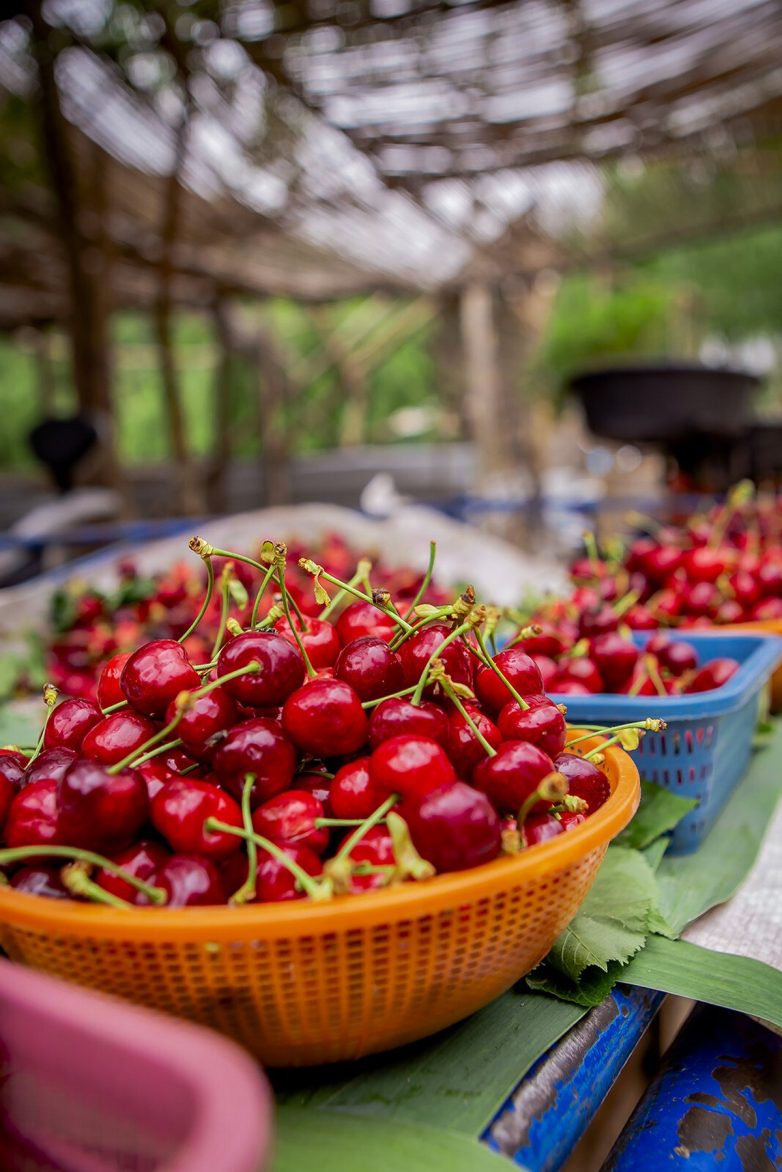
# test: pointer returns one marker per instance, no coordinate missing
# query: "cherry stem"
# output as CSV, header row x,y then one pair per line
x,y
247,891
489,662
286,607
590,545
391,696
361,574
323,822
552,787
377,816
650,724
455,634
50,694
448,688
237,557
115,707
261,591
210,585
225,603
311,887
309,566
79,883
654,675
438,612
15,854
367,868
625,602
158,750
422,589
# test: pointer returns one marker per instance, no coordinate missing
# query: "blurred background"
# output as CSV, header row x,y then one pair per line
x,y
258,253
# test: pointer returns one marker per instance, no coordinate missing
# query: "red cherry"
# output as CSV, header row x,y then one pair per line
x,y
745,587
701,598
41,879
156,674
324,718
540,828
568,819
109,690
542,724
565,687
100,810
377,849
7,793
582,670
32,818
714,675
639,684
597,622
512,775
547,643
585,780
275,883
398,716
319,785
678,657
729,611
462,746
518,668
370,667
640,618
206,716
14,756
769,578
180,809
704,564
50,765
141,860
70,722
113,738
614,658
667,604
259,747
409,766
290,818
363,618
547,668
634,559
281,668
188,881
660,562
768,608
352,794
415,652
454,827
658,642
320,639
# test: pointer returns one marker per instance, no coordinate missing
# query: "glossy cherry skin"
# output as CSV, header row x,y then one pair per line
x,y
660,562
462,746
180,809
704,564
275,883
585,780
7,793
713,675
568,819
320,639
580,670
540,828
100,811
745,586
13,756
640,618
41,879
156,774
141,859
518,668
12,771
281,668
188,881
398,717
290,818
208,715
363,618
767,608
614,658
512,775
254,746
370,667
377,849
547,643
117,735
454,827
156,674
678,657
567,687
49,765
352,794
415,652
325,719
319,785
32,818
409,766
701,598
542,724
69,723
109,690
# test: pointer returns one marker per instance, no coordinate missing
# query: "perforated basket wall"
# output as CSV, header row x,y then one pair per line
x,y
306,984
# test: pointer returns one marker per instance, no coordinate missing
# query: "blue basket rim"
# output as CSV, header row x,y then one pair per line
x,y
758,654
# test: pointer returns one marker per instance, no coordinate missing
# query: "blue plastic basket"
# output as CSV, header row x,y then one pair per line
x,y
705,749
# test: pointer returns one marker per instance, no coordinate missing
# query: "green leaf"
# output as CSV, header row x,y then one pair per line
x,y
718,978
659,812
592,987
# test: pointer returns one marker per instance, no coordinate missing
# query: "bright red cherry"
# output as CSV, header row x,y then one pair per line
x,y
49,765
109,690
547,668
581,670
281,668
275,883
398,717
290,818
12,776
156,774
454,827
714,675
542,724
41,879
585,780
377,849
141,860
69,723
324,718
370,667
567,687
409,766
188,881
206,716
767,608
701,598
113,738
769,578
258,747
462,746
614,658
660,562
15,756
363,618
319,785
32,818
415,652
729,611
513,775
156,674
705,564
547,643
640,618
745,586
352,794
180,809
100,810
518,668
540,828
320,639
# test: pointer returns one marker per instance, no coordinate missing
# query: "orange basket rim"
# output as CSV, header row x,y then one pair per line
x,y
409,900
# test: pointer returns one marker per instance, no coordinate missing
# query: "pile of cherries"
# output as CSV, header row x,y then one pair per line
x,y
304,756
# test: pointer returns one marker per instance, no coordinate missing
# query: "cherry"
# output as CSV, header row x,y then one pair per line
x,y
542,724
729,611
513,775
745,586
585,780
109,689
454,827
640,683
290,819
13,756
634,559
202,718
657,643
352,794
12,772
377,849
320,639
69,723
704,564
370,667
667,604
117,735
614,658
141,859
701,598
416,651
547,643
582,670
275,883
640,618
570,818
678,657
188,881
325,719
519,669
462,745
547,668
659,563
180,809
32,818
259,747
156,674
50,765
769,578
364,618
540,828
567,687
409,766
713,675
768,608
281,668
100,810
7,793
397,716
597,622
41,879
319,785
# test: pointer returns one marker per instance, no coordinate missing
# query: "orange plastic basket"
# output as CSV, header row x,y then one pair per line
x,y
310,983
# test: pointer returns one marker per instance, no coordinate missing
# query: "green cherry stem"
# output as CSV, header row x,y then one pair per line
x,y
553,787
261,591
455,634
324,822
391,696
489,662
448,688
210,585
79,883
422,589
225,604
362,572
247,891
50,695
650,724
314,889
318,572
374,818
157,751
116,707
280,568
16,854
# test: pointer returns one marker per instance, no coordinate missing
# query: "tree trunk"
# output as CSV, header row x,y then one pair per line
x,y
217,488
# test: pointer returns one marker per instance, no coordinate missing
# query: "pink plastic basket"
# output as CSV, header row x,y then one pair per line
x,y
90,1084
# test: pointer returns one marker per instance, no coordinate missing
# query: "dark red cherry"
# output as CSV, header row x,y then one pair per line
x,y
415,652
377,849
585,780
99,810
540,828
580,670
188,881
640,618
398,717
678,657
568,819
12,773
746,588
41,879
513,775
363,618
141,860
462,746
156,774
7,793
49,765
319,785
208,715
352,794
156,674
281,668
69,723
769,578
547,668
519,669
660,562
767,608
109,689
15,757
325,719
370,667
32,818
409,766
320,639
454,827
290,818
542,724
714,675
701,598
597,622
180,809
259,747
614,658
275,883
117,735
